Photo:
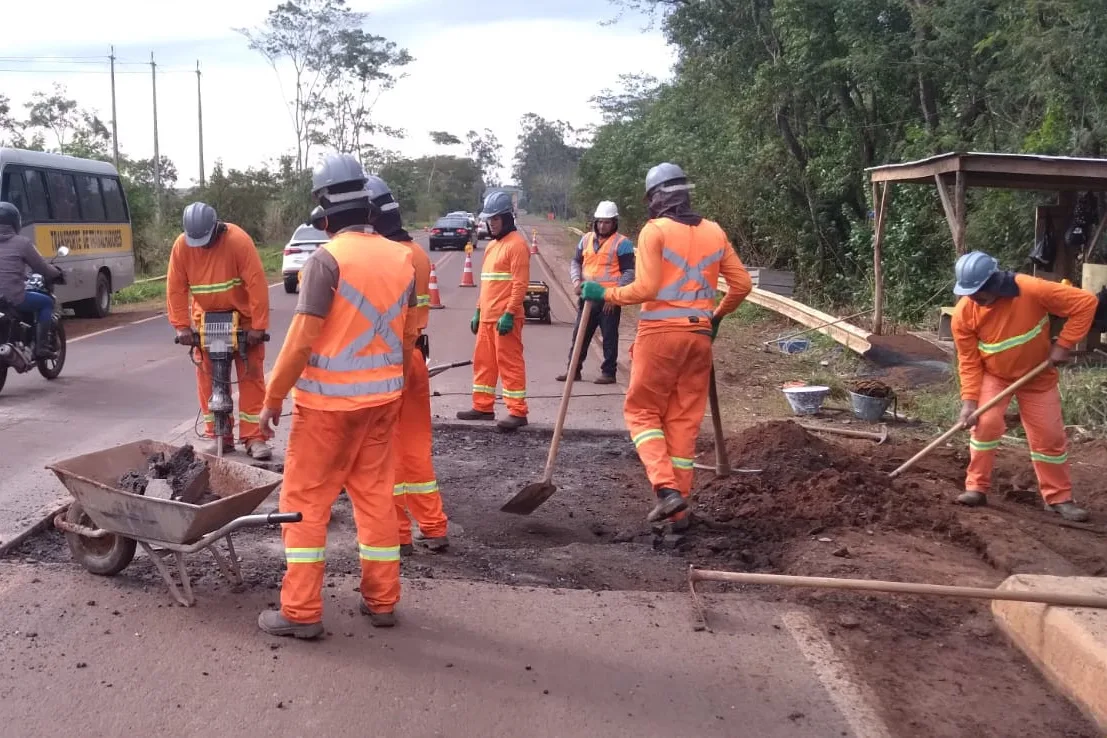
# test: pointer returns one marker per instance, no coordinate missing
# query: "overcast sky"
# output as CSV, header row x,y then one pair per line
x,y
540,56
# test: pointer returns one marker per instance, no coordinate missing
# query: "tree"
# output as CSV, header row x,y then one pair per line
x,y
485,150
78,132
546,162
338,71
441,139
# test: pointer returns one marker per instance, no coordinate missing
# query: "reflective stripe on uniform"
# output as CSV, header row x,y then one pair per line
x,y
378,553
515,394
607,276
682,463
483,389
648,435
495,276
422,301
337,389
675,313
1030,335
399,489
1047,459
305,555
422,488
211,289
248,418
209,417
692,273
976,445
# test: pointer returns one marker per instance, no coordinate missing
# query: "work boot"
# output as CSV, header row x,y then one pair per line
x,y
274,623
435,544
682,525
377,619
972,498
605,379
1069,511
564,376
407,549
512,423
211,448
669,502
258,449
44,343
475,415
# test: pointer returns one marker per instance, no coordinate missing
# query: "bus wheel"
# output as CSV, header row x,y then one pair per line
x,y
99,306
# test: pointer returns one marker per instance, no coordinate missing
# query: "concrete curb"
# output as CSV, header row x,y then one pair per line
x,y
1067,644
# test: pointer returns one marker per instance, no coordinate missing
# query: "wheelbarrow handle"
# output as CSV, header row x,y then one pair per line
x,y
291,517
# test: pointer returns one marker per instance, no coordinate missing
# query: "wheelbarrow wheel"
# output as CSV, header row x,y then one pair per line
x,y
105,556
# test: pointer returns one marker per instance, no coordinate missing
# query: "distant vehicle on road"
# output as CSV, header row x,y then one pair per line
x,y
78,204
302,245
451,231
469,216
482,230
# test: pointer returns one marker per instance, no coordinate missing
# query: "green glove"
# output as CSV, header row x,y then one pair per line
x,y
474,322
592,291
505,324
715,321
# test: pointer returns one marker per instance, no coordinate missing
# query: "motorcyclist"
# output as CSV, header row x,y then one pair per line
x,y
17,253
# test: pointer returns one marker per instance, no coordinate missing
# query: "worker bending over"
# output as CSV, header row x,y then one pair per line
x,y
219,266
498,320
1001,328
416,486
344,353
680,258
606,257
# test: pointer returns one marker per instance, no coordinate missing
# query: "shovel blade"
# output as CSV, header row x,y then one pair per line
x,y
530,498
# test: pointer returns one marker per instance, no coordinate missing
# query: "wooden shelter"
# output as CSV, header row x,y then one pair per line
x,y
954,173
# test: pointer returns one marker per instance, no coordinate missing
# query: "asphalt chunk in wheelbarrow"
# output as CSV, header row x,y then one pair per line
x,y
188,477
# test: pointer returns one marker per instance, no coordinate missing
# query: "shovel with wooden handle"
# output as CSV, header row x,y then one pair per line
x,y
722,462
961,425
531,497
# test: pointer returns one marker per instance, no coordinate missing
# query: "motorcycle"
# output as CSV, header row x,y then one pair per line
x,y
17,334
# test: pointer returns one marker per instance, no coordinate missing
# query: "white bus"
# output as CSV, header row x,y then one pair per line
x,y
79,203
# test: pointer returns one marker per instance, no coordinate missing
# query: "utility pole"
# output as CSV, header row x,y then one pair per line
x,y
157,153
200,121
114,125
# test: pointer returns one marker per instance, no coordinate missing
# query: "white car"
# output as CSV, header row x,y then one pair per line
x,y
296,252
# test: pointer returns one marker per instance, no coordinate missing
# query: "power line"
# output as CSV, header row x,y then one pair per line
x,y
97,71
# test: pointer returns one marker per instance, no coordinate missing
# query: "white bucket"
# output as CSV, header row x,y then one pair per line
x,y
806,400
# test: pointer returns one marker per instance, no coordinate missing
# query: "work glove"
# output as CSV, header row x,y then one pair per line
x,y
185,336
505,324
474,322
593,291
716,320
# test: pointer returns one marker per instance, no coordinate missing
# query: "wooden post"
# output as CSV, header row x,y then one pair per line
x,y
880,206
959,204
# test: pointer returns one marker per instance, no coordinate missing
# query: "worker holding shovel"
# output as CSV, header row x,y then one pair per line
x,y
680,258
1001,329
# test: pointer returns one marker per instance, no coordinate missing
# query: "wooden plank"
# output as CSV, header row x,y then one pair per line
x,y
959,208
921,171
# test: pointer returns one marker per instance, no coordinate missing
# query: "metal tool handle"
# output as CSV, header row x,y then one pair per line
x,y
279,517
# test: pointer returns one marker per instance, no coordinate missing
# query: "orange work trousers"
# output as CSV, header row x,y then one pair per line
x,y
251,392
495,358
416,489
1045,431
665,404
329,450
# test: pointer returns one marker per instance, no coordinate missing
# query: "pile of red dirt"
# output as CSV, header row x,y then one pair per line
x,y
805,480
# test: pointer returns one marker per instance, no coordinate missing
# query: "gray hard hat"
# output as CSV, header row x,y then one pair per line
x,y
666,172
973,270
498,203
199,221
335,169
318,218
378,189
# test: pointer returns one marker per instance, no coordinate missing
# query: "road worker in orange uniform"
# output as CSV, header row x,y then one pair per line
x,y
416,489
219,266
680,258
1001,328
344,353
498,320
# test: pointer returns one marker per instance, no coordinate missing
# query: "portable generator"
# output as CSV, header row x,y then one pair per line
x,y
536,304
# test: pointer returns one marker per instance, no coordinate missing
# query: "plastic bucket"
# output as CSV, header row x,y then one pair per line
x,y
806,400
868,408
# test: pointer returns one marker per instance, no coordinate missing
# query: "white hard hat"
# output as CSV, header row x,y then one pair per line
x,y
606,210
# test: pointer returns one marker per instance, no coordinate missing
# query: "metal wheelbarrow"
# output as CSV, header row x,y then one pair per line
x,y
104,523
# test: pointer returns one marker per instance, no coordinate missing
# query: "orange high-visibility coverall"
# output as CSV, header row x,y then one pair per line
x,y
504,276
225,276
344,353
416,488
998,344
677,271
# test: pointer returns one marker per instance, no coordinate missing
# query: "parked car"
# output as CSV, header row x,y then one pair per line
x,y
302,245
451,231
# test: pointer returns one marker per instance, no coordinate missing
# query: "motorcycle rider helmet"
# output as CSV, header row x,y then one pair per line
x,y
9,216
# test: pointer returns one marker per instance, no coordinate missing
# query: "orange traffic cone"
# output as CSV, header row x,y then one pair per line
x,y
533,242
435,298
467,273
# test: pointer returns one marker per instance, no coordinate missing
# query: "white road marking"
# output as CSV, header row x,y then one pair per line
x,y
853,700
160,314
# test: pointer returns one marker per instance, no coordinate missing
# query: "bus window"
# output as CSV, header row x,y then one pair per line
x,y
92,204
14,192
113,199
63,196
36,195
